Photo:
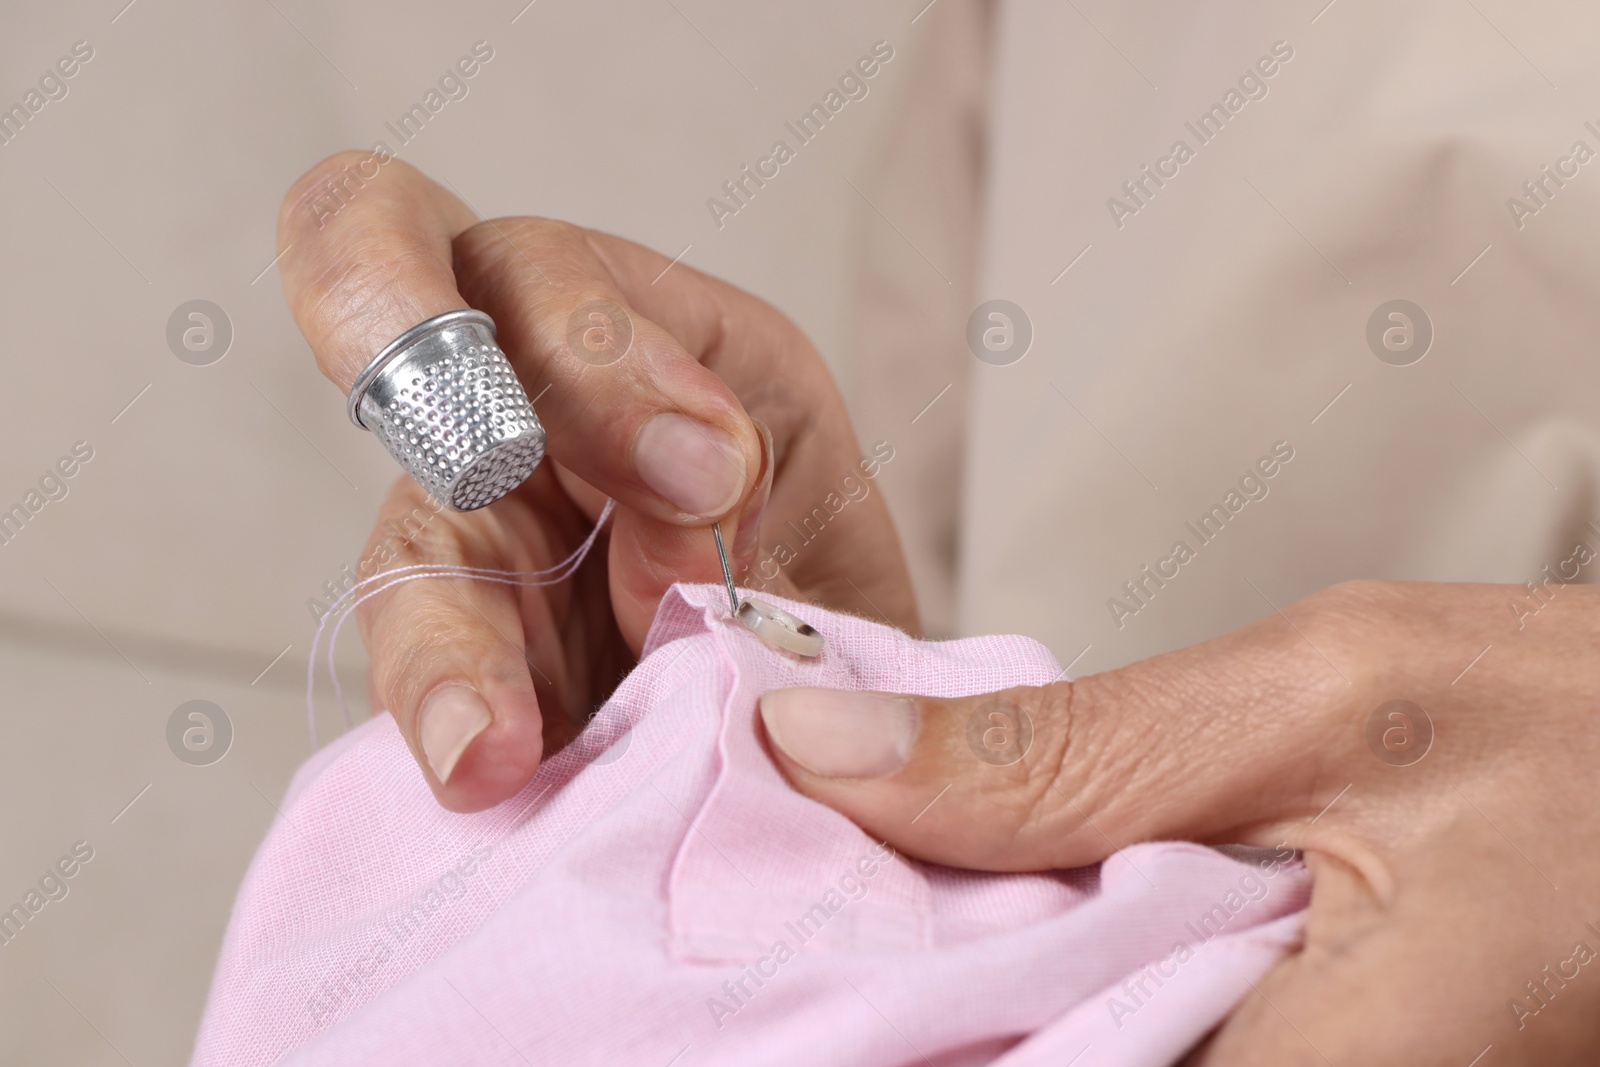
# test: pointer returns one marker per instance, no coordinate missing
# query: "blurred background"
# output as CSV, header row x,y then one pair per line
x,y
1150,354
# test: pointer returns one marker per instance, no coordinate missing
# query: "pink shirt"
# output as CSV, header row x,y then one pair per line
x,y
659,895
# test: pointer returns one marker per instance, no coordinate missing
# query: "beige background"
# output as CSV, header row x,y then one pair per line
x,y
1168,354
183,556
1231,311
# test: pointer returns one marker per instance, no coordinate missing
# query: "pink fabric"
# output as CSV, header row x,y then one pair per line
x,y
659,895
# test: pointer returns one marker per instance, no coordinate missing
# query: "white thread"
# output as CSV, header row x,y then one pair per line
x,y
549,576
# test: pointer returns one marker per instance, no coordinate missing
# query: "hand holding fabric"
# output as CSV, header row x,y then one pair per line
x,y
684,399
1445,917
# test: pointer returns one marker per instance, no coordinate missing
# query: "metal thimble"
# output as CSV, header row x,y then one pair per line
x,y
445,402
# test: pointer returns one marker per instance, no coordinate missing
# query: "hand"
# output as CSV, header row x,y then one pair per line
x,y
1436,882
717,409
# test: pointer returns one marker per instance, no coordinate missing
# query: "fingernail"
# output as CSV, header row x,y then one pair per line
x,y
451,717
838,734
696,468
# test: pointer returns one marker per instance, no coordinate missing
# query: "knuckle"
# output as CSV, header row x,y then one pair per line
x,y
554,232
409,660
547,263
1092,754
1051,708
409,529
308,184
1358,625
1020,739
1352,598
1057,781
294,213
364,288
519,236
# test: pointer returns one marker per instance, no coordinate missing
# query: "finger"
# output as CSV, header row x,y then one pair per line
x,y
645,556
1203,744
448,658
536,277
654,429
629,403
366,256
659,427
372,247
1435,976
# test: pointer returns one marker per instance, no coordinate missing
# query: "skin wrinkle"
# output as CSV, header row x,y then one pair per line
x,y
1046,805
409,676
489,247
1005,798
1269,690
560,682
1361,915
360,247
1114,770
713,345
1254,732
432,544
306,188
350,306
530,274
550,305
718,339
1479,757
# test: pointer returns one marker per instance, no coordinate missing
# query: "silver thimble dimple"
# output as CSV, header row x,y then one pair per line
x,y
445,402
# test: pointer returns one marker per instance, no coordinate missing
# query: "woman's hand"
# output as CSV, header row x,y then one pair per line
x,y
684,399
1446,878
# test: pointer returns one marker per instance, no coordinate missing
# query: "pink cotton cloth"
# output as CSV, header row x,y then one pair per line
x,y
660,895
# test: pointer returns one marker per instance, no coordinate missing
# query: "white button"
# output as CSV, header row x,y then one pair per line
x,y
780,629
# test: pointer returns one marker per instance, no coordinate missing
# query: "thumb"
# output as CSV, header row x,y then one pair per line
x,y
1195,745
453,660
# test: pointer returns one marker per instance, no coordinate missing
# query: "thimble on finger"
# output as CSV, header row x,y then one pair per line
x,y
445,402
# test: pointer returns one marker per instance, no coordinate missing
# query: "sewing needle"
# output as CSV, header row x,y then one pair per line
x,y
727,572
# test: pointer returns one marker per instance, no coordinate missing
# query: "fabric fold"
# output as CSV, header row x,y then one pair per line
x,y
659,891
